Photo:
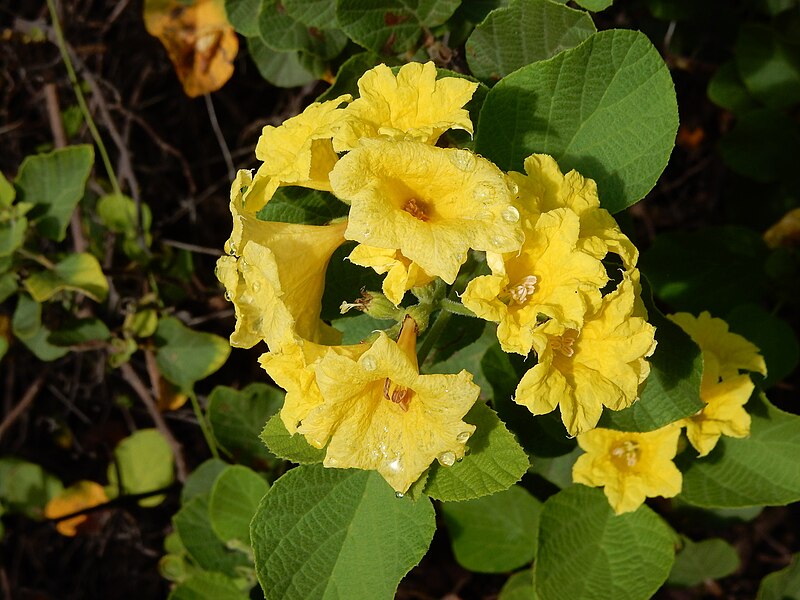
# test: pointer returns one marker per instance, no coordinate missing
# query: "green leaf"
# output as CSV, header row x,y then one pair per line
x,y
78,272
774,337
495,461
606,108
289,447
8,285
595,5
237,418
281,32
185,356
120,215
243,16
760,469
496,533
761,146
301,205
391,26
525,32
283,69
358,328
206,549
726,89
469,357
80,331
26,487
233,502
343,280
335,533
201,480
55,182
26,324
558,470
519,587
143,462
701,270
320,14
672,390
12,234
7,192
206,585
587,552
783,584
769,64
700,561
350,72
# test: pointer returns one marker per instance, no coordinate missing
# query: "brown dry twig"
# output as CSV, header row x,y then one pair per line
x,y
27,399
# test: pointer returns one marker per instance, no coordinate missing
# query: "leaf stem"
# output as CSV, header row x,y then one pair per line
x,y
73,79
433,334
201,420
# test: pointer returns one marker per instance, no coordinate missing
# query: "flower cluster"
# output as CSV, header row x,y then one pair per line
x,y
561,281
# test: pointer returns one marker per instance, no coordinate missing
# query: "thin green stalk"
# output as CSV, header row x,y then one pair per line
x,y
73,79
433,334
201,419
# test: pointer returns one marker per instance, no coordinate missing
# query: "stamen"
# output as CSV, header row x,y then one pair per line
x,y
520,292
400,395
626,454
564,343
417,209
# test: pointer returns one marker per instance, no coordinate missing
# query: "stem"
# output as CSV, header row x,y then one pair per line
x,y
201,420
433,334
456,308
73,80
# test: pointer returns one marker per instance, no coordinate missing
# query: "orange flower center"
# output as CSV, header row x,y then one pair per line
x,y
625,455
564,343
417,209
398,394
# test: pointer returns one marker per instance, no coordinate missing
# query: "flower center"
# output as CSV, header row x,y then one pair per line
x,y
417,209
523,289
625,455
398,394
564,343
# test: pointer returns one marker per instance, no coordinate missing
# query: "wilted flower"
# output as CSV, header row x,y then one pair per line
x,y
402,274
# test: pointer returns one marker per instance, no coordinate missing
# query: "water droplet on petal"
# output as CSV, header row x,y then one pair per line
x,y
498,241
396,465
232,249
513,187
483,215
510,214
399,495
256,286
368,363
331,462
448,459
463,437
459,459
463,160
228,297
484,193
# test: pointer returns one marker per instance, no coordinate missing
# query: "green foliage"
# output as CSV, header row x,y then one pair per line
x,y
756,470
522,33
300,205
27,326
26,487
519,587
143,462
496,533
185,356
769,64
206,584
322,531
289,447
783,584
283,69
699,561
585,551
606,108
78,272
233,502
281,32
80,331
243,15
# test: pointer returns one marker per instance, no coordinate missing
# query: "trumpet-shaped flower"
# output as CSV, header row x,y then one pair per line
x,y
723,389
402,274
291,364
630,466
298,152
603,364
432,204
275,277
413,105
548,276
544,188
378,412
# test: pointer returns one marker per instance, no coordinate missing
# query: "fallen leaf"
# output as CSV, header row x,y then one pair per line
x,y
81,495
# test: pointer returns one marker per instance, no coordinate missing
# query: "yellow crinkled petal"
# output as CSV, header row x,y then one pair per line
x,y
78,496
730,351
544,188
278,281
369,431
548,276
723,414
402,274
432,204
785,232
291,365
413,105
602,365
630,466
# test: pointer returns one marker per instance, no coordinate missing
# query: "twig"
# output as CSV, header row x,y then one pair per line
x,y
129,375
226,153
24,403
192,247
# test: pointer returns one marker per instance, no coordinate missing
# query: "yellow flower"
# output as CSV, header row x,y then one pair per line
x,y
414,105
631,466
402,274
298,152
432,204
78,496
380,414
544,188
548,276
276,276
291,365
602,365
724,390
